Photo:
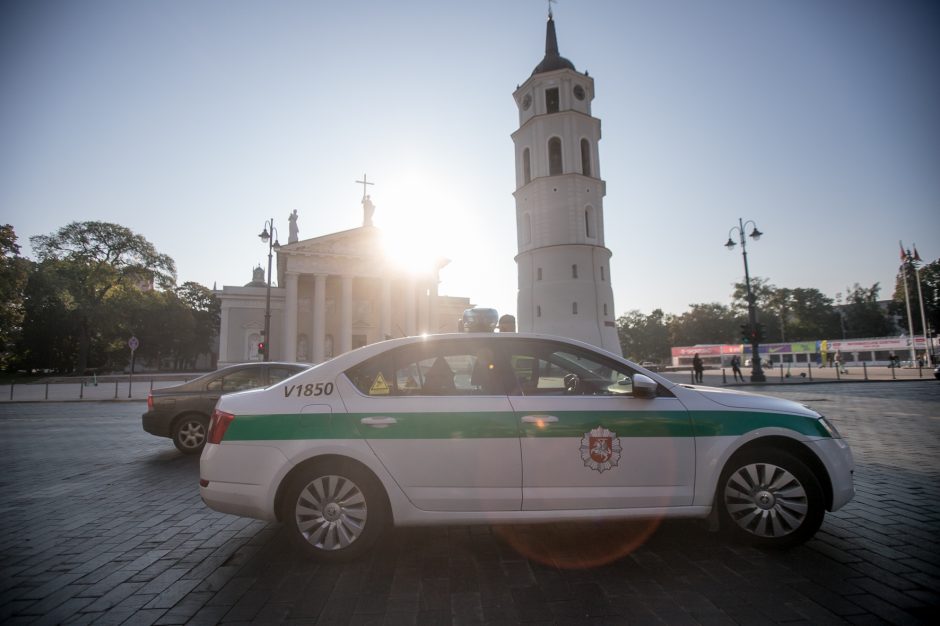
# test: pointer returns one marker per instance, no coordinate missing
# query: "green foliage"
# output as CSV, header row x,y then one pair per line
x,y
800,314
644,337
93,289
929,275
92,260
14,271
784,314
704,324
864,317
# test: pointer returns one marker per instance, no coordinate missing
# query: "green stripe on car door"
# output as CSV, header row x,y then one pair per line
x,y
491,425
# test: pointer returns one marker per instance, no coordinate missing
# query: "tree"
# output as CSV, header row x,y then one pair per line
x,y
644,337
49,337
863,315
929,275
811,315
14,272
705,324
207,314
91,261
800,314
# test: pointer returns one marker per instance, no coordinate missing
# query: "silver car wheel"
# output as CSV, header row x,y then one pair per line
x,y
765,500
331,512
192,434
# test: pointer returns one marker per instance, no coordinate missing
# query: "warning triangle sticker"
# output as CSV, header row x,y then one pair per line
x,y
379,386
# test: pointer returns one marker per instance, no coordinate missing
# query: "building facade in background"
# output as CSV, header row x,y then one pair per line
x,y
334,293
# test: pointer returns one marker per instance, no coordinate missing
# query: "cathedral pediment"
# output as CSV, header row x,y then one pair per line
x,y
362,242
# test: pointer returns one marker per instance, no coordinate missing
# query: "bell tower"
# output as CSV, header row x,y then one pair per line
x,y
563,264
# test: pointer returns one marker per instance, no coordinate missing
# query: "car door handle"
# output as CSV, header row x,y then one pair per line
x,y
539,419
378,422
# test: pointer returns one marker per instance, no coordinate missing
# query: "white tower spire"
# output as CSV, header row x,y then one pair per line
x,y
563,264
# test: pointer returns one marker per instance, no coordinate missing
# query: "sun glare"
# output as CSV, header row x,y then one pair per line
x,y
413,224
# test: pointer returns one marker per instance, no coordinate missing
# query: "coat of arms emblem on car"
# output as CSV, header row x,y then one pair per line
x,y
600,449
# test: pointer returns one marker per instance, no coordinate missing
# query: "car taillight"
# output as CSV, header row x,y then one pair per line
x,y
218,425
150,401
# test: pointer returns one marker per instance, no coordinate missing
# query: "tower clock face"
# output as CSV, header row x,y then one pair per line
x,y
526,102
579,92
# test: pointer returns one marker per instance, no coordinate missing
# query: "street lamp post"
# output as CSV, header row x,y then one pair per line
x,y
757,372
269,238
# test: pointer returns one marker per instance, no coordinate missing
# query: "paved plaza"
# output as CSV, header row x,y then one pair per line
x,y
102,524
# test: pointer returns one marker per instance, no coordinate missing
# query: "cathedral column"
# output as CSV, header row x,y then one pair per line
x,y
290,318
319,317
223,333
411,322
345,333
434,321
385,317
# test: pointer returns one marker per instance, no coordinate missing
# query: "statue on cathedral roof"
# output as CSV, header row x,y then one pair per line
x,y
292,225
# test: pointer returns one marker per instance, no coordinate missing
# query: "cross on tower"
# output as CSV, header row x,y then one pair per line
x,y
550,3
364,182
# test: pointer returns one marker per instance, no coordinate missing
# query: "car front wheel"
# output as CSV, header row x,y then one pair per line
x,y
770,498
189,433
333,511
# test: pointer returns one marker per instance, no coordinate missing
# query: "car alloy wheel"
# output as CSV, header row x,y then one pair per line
x,y
771,498
331,512
190,435
766,500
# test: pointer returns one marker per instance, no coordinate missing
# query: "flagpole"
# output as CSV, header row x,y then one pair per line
x,y
928,342
907,301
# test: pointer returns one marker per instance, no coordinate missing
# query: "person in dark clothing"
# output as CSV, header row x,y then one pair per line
x,y
736,368
698,367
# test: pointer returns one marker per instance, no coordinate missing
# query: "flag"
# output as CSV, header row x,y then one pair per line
x,y
916,255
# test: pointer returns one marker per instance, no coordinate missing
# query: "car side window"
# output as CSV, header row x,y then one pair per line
x,y
241,380
277,374
545,369
458,369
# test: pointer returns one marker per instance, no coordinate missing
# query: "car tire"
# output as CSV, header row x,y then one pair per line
x,y
770,498
333,511
189,433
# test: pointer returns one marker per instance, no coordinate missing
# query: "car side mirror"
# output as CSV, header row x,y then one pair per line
x,y
644,386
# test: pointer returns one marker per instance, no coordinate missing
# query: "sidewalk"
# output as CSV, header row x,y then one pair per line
x,y
105,388
801,374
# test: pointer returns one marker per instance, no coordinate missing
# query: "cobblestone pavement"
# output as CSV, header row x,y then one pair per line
x,y
102,524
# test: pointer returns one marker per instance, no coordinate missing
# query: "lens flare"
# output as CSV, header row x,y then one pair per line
x,y
577,545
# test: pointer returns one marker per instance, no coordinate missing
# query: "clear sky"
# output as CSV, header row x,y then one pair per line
x,y
193,121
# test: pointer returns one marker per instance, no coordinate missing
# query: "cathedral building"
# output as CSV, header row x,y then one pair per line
x,y
564,267
334,293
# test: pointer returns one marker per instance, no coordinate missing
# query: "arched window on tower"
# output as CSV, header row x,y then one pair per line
x,y
554,156
585,157
526,167
526,228
589,222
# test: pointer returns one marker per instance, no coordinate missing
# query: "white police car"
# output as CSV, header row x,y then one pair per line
x,y
501,428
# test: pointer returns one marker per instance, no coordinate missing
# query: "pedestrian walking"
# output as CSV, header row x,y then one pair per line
x,y
736,368
698,367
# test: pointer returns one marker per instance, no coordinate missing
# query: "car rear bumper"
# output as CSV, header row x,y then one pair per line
x,y
157,423
250,473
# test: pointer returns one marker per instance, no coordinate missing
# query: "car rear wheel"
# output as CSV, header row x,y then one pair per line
x,y
333,511
189,433
770,498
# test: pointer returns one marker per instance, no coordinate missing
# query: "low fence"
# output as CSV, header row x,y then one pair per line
x,y
111,388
